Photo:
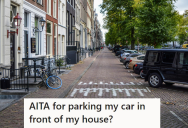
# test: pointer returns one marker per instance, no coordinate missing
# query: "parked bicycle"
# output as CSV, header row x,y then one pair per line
x,y
49,78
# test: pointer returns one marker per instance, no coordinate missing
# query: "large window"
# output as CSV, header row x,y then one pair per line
x,y
168,57
37,36
55,39
13,13
54,9
49,38
49,7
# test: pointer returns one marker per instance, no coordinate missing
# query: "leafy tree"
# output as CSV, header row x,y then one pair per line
x,y
158,22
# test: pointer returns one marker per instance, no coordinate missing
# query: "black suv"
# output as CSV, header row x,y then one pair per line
x,y
166,65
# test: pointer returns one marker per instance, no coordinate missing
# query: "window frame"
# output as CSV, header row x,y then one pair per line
x,y
48,9
49,46
55,8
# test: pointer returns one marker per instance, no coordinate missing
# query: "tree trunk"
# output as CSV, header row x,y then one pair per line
x,y
132,39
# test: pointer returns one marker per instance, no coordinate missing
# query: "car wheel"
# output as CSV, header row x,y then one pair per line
x,y
141,74
127,65
155,80
169,84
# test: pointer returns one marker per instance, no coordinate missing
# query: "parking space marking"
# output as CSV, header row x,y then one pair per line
x,y
179,118
148,89
111,83
114,91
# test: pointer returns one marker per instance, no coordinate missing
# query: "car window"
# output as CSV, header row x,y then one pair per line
x,y
153,57
168,57
141,57
183,58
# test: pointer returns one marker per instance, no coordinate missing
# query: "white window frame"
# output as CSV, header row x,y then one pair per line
x,y
55,8
49,34
55,37
49,9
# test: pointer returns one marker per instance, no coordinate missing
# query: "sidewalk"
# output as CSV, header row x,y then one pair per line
x,y
13,116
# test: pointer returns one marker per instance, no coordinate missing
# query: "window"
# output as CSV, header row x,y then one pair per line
x,y
59,12
55,39
49,7
37,36
49,38
141,57
153,57
25,19
168,57
183,58
54,9
39,1
13,13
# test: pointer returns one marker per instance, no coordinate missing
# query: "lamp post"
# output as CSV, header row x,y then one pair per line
x,y
17,20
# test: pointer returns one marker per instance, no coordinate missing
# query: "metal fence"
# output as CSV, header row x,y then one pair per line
x,y
15,79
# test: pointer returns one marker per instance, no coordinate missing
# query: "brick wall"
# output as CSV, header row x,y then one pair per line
x,y
35,3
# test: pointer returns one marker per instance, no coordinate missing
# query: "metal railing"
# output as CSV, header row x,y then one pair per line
x,y
15,79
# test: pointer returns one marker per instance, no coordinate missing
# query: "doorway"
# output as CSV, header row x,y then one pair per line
x,y
12,54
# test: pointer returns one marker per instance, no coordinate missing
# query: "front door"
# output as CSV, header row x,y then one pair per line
x,y
168,66
12,54
26,46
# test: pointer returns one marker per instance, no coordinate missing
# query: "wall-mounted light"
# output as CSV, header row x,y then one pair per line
x,y
42,23
17,21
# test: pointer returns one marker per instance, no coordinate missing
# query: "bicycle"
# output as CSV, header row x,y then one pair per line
x,y
49,80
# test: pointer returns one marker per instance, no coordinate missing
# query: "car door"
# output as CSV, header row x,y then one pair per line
x,y
168,66
183,67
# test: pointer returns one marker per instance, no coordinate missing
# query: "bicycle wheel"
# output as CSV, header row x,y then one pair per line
x,y
54,82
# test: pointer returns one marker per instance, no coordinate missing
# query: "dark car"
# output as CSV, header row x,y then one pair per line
x,y
138,69
166,65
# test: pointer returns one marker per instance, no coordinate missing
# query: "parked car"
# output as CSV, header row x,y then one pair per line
x,y
124,57
125,52
165,65
138,69
135,60
126,60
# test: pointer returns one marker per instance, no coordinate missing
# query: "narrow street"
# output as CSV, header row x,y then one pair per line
x,y
108,78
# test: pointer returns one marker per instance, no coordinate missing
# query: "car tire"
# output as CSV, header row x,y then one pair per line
x,y
155,80
127,65
141,73
169,84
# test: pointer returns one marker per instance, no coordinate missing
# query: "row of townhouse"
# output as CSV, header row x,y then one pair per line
x,y
39,28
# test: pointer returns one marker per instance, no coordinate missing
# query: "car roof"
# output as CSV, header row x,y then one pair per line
x,y
169,50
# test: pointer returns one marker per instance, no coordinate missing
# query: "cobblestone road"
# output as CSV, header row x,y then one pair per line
x,y
103,76
107,78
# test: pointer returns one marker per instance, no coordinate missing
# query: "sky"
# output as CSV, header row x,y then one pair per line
x,y
180,6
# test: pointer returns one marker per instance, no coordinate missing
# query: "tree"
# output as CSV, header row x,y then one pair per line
x,y
123,14
158,22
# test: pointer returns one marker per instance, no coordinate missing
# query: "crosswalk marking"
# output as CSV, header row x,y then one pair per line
x,y
110,83
114,91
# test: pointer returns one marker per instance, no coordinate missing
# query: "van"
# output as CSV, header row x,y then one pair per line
x,y
166,65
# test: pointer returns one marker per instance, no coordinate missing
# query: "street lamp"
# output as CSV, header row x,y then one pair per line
x,y
42,23
17,20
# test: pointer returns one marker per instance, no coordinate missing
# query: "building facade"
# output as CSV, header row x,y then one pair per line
x,y
62,27
51,27
34,35
10,43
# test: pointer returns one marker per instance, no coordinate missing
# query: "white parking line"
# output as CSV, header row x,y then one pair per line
x,y
114,91
179,118
148,89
